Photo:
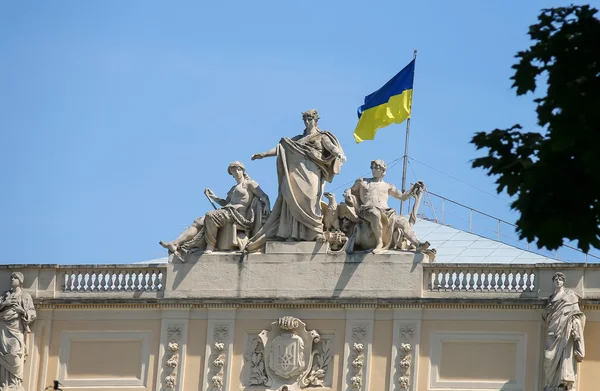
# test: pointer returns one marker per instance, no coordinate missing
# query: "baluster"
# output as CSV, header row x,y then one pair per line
x,y
153,280
133,277
120,280
508,279
99,280
447,280
526,280
454,279
159,277
93,281
519,280
460,276
440,280
511,281
159,280
79,281
85,276
66,285
471,280
114,278
73,285
142,280
532,283
105,281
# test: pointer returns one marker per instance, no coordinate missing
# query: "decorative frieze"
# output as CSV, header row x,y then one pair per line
x,y
405,354
220,336
255,359
172,356
357,351
358,356
321,363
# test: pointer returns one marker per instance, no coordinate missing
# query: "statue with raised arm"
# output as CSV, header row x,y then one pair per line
x,y
241,216
564,337
16,313
304,164
378,226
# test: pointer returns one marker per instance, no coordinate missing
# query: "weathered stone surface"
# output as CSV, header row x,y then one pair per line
x,y
296,248
296,276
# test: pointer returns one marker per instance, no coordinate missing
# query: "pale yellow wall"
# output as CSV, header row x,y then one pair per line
x,y
589,369
381,355
196,349
92,359
478,361
465,360
481,358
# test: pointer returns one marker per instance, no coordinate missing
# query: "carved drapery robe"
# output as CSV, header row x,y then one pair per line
x,y
304,164
13,331
564,340
246,218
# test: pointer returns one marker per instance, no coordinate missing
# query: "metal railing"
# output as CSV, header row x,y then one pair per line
x,y
442,214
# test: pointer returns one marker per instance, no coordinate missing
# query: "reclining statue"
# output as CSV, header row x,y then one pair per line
x,y
370,222
242,214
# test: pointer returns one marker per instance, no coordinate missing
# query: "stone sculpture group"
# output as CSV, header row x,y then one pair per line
x,y
245,222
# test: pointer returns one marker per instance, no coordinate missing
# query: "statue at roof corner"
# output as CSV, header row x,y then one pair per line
x,y
371,224
564,337
242,213
16,313
304,163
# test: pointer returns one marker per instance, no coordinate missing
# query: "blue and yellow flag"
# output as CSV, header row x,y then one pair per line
x,y
388,105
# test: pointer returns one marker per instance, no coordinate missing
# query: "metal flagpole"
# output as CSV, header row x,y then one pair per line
x,y
405,162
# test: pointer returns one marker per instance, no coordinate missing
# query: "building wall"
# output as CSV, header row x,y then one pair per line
x,y
454,348
387,322
589,369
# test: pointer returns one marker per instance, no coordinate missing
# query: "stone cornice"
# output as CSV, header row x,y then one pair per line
x,y
322,303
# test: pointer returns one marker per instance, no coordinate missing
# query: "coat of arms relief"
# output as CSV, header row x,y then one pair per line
x,y
288,357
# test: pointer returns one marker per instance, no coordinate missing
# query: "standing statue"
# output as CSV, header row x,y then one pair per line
x,y
377,226
16,313
304,163
228,228
564,337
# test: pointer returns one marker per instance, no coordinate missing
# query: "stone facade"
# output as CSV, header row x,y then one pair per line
x,y
293,320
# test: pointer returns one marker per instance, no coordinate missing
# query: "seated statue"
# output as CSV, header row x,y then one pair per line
x,y
242,214
370,222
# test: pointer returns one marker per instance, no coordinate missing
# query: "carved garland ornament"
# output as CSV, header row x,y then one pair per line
x,y
288,357
220,334
405,354
358,357
172,356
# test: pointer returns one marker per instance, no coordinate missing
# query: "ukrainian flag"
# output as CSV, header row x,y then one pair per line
x,y
388,105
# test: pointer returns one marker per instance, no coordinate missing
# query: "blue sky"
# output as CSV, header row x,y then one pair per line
x,y
115,115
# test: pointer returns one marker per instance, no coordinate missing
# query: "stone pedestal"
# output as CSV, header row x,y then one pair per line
x,y
296,248
283,272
